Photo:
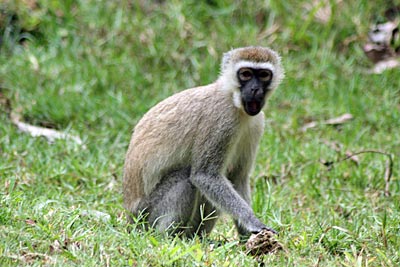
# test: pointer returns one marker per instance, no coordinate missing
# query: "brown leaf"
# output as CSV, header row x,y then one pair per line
x,y
55,247
382,33
383,47
5,102
6,185
353,158
387,64
309,125
339,120
322,9
333,145
30,222
49,134
334,121
30,257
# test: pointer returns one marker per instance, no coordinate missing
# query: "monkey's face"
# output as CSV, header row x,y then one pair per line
x,y
254,85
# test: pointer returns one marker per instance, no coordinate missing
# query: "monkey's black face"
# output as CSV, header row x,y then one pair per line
x,y
254,85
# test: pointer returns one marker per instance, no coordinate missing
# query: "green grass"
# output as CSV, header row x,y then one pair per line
x,y
94,68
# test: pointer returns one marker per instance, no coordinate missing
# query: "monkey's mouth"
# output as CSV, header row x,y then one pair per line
x,y
252,107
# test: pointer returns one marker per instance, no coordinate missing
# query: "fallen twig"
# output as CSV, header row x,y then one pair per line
x,y
336,146
388,167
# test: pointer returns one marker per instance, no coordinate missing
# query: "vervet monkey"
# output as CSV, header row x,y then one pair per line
x,y
191,155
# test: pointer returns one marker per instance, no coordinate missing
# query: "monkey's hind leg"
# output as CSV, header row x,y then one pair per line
x,y
170,206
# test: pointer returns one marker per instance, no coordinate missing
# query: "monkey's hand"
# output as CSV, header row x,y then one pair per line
x,y
253,226
269,230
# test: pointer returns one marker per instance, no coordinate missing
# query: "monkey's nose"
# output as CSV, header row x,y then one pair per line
x,y
255,90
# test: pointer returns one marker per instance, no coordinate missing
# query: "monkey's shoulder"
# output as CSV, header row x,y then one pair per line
x,y
189,103
192,97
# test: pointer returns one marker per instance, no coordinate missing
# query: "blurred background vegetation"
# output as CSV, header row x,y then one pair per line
x,y
93,68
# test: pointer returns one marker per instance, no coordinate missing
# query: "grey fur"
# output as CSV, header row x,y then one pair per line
x,y
191,155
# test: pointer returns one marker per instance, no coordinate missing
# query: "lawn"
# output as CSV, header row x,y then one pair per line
x,y
93,68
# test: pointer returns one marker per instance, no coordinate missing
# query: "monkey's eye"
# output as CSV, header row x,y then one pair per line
x,y
245,74
265,75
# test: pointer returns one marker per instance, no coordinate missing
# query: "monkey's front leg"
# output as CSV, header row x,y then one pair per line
x,y
219,191
241,181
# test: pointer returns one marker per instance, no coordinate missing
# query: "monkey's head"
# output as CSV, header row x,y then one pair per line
x,y
251,73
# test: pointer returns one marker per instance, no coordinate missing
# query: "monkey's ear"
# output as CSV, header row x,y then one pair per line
x,y
226,60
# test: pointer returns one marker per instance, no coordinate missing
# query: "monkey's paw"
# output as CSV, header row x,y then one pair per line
x,y
262,243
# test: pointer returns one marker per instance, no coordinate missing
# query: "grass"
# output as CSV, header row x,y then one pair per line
x,y
93,68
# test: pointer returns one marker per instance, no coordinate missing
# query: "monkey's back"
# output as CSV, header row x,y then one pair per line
x,y
162,140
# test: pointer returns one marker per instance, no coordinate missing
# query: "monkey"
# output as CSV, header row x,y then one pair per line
x,y
191,155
